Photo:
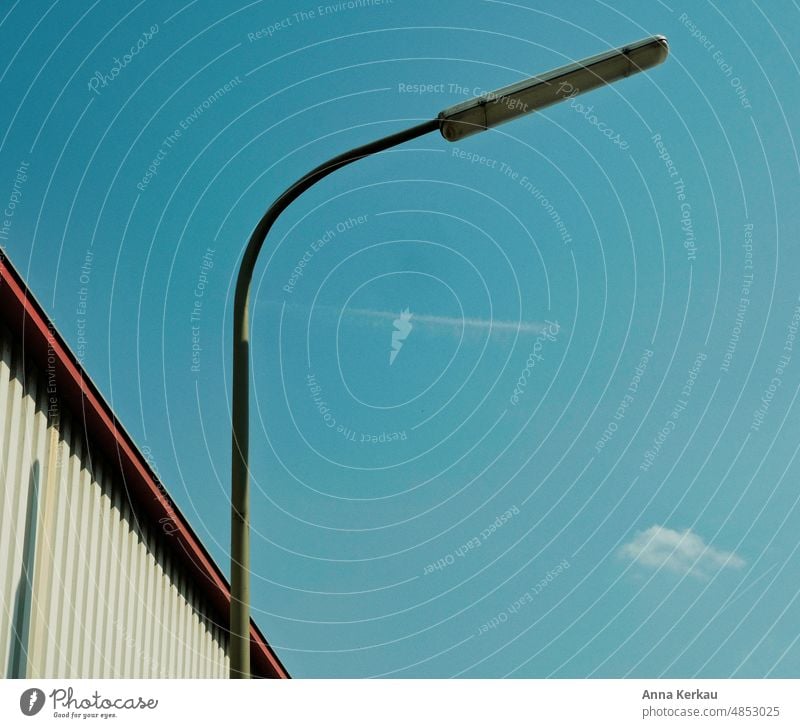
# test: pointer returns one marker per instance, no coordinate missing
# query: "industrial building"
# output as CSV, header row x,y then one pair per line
x,y
100,574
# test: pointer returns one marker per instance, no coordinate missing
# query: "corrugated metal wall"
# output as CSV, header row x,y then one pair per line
x,y
88,590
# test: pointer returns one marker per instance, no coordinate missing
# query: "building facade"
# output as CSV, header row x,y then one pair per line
x,y
100,574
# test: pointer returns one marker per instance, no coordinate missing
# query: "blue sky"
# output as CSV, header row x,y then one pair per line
x,y
582,459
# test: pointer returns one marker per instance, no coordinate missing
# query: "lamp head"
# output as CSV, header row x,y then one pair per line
x,y
538,92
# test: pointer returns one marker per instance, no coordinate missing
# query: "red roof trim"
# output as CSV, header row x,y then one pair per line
x,y
26,318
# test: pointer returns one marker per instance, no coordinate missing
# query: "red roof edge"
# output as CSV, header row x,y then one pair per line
x,y
26,318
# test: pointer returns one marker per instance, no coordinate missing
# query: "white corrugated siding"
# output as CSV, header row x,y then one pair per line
x,y
88,590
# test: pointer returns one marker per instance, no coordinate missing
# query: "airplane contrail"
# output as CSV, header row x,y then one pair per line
x,y
453,323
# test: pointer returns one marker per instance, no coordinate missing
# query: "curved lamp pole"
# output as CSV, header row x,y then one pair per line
x,y
457,122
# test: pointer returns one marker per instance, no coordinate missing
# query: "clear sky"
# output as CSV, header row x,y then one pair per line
x,y
575,453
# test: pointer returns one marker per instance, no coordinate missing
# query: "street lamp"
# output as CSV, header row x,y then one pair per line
x,y
457,122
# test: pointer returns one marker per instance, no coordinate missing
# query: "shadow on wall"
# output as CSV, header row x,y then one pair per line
x,y
21,617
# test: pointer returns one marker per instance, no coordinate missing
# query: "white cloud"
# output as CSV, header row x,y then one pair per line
x,y
682,552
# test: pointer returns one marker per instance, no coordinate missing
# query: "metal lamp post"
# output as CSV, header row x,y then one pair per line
x,y
478,114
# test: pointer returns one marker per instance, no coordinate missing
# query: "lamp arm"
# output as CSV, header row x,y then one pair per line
x,y
239,649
